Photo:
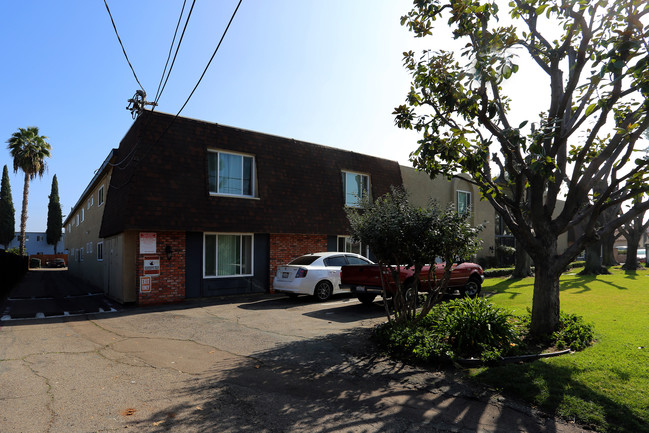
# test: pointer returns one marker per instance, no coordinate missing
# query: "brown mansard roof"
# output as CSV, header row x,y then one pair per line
x,y
161,183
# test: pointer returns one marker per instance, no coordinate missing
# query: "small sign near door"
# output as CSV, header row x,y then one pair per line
x,y
147,243
151,265
145,284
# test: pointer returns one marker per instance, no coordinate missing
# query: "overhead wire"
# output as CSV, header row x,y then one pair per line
x,y
161,89
146,151
122,45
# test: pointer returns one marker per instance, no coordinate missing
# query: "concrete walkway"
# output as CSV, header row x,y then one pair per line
x,y
240,364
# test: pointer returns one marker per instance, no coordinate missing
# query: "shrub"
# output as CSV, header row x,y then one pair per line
x,y
415,343
475,326
573,332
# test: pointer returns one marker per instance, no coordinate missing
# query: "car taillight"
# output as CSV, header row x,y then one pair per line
x,y
301,273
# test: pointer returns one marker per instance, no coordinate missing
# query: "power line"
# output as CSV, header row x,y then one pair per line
x,y
211,58
122,45
146,151
161,86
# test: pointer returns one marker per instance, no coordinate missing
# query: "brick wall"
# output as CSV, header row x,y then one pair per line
x,y
285,247
169,286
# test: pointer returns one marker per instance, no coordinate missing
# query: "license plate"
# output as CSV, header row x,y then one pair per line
x,y
284,274
360,288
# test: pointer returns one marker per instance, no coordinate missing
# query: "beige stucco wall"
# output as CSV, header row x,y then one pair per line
x,y
422,190
84,236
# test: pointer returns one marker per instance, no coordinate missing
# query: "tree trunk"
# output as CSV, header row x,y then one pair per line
x,y
631,262
523,264
545,304
23,216
594,261
608,245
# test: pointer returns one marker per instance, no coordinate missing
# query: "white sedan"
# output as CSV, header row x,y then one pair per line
x,y
316,274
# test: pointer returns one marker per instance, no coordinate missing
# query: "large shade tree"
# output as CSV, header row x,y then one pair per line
x,y
29,150
7,211
593,55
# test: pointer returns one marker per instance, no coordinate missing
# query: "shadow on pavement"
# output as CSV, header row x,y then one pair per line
x,y
337,383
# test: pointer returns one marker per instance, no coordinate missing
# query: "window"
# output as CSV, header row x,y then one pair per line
x,y
335,261
227,255
83,214
89,248
231,174
345,245
69,227
91,201
356,186
463,202
100,196
77,220
39,238
353,260
100,251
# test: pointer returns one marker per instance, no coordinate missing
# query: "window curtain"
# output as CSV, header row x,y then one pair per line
x,y
230,173
229,255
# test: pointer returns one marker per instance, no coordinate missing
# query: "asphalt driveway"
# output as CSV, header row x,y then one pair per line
x,y
239,364
53,293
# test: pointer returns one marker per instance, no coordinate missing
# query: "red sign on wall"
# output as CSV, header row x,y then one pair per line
x,y
145,284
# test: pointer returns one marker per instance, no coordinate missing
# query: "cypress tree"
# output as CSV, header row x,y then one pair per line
x,y
7,211
54,216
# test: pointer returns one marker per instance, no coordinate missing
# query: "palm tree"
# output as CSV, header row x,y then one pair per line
x,y
29,150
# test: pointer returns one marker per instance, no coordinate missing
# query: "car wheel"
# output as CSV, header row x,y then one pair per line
x,y
322,291
472,288
366,299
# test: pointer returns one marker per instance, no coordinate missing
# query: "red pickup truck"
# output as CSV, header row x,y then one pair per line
x,y
365,282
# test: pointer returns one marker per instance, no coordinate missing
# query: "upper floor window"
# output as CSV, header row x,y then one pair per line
x,y
91,201
463,202
231,174
77,220
100,251
83,214
100,196
356,186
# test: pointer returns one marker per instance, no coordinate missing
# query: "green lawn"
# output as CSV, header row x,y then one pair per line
x,y
605,386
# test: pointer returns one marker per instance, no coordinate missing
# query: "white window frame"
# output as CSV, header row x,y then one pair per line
x,y
91,201
346,241
457,200
357,201
253,176
217,234
77,218
83,214
100,196
100,251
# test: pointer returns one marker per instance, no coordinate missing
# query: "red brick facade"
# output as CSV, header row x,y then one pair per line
x,y
169,286
285,247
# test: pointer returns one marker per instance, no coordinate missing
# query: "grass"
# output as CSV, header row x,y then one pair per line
x,y
606,386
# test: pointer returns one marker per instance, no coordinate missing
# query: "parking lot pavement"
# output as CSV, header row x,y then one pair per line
x,y
45,293
245,364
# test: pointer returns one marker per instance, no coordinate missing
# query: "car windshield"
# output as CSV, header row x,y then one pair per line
x,y
304,260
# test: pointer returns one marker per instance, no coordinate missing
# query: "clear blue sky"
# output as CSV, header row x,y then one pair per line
x,y
327,72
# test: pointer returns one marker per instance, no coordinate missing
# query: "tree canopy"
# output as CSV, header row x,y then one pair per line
x,y
593,55
401,234
29,150
54,216
7,211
